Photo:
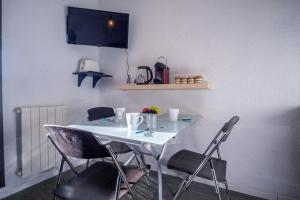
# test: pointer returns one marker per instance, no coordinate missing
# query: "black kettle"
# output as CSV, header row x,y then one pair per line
x,y
144,75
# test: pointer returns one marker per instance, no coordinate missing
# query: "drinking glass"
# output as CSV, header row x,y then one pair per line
x,y
151,120
120,117
120,113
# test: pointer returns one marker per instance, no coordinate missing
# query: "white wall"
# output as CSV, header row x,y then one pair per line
x,y
38,66
250,52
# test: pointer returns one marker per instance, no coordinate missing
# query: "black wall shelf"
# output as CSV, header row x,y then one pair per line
x,y
96,76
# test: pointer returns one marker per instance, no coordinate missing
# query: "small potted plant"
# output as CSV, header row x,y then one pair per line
x,y
152,110
151,116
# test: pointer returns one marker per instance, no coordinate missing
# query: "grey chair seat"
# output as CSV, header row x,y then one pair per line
x,y
96,182
119,148
188,161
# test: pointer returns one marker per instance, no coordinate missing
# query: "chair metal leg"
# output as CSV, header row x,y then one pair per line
x,y
143,168
227,190
118,187
215,179
60,171
143,159
179,190
146,167
146,180
122,175
129,161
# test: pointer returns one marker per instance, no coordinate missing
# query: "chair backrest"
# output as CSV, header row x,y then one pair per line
x,y
100,112
228,126
76,143
222,135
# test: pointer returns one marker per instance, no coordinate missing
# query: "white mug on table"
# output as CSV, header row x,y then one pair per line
x,y
173,114
133,121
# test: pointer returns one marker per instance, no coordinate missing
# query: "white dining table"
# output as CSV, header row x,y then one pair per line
x,y
151,143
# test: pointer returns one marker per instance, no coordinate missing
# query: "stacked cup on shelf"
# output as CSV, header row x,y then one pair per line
x,y
188,80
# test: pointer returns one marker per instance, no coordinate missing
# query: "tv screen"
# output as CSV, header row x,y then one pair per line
x,y
97,28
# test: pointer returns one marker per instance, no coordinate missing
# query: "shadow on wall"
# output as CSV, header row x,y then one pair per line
x,y
295,146
291,153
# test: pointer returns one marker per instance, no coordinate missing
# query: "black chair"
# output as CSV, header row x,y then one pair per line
x,y
105,112
203,165
100,112
101,180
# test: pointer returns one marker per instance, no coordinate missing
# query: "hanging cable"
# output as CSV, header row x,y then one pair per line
x,y
128,67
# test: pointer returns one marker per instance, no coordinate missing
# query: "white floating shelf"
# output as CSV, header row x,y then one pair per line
x,y
197,86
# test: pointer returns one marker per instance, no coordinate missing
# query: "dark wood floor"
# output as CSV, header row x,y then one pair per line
x,y
42,191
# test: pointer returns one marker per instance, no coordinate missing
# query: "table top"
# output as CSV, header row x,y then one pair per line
x,y
116,130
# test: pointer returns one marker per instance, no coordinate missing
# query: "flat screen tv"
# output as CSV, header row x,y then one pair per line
x,y
97,28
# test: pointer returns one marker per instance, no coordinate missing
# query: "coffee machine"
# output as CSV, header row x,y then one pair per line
x,y
162,71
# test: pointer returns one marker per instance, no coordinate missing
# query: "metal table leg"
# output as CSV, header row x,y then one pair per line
x,y
159,177
159,172
158,155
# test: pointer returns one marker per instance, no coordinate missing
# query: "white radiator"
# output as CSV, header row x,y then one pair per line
x,y
36,153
